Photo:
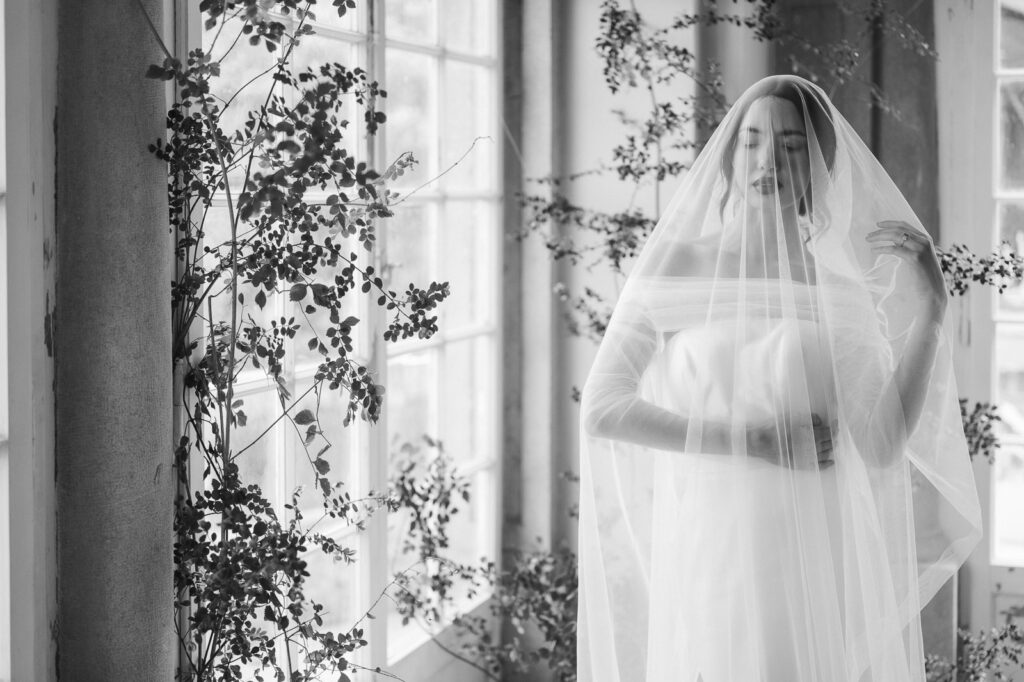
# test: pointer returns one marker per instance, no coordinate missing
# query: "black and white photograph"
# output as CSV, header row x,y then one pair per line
x,y
512,341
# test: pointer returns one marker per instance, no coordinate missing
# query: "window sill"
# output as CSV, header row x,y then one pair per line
x,y
426,661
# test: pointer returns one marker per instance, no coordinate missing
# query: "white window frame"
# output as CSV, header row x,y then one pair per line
x,y
969,76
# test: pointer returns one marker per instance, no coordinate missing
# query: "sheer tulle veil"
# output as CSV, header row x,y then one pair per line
x,y
774,476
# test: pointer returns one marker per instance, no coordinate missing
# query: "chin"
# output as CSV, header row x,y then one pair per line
x,y
768,201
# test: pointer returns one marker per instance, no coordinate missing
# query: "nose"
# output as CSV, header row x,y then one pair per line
x,y
766,157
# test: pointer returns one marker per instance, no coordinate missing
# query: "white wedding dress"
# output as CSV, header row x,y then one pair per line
x,y
724,625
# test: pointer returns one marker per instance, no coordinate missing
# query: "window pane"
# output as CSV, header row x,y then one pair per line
x,y
1011,147
333,584
467,26
1008,506
468,116
1010,377
238,67
338,456
469,530
468,544
467,390
1011,34
469,265
317,50
410,401
413,21
410,105
217,231
1011,230
317,323
327,16
401,639
258,464
410,247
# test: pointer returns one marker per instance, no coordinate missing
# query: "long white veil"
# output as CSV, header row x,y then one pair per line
x,y
774,476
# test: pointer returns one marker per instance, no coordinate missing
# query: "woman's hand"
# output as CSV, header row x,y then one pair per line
x,y
899,239
763,443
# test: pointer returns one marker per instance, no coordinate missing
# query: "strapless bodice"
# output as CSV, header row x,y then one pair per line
x,y
749,370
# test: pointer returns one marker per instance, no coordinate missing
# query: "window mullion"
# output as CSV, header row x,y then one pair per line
x,y
373,455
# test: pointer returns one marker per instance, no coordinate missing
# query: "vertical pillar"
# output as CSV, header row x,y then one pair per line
x,y
112,349
908,144
742,61
530,277
30,65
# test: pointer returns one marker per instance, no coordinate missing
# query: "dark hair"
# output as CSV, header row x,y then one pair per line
x,y
807,100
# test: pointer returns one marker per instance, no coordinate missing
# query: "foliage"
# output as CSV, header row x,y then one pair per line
x,y
985,656
534,592
303,215
978,428
427,490
1001,269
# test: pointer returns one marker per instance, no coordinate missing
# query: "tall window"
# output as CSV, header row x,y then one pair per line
x,y
1008,308
441,73
437,60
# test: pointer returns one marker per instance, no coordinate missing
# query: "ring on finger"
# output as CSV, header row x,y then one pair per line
x,y
902,240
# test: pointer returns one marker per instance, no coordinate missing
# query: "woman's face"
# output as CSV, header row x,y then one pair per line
x,y
771,164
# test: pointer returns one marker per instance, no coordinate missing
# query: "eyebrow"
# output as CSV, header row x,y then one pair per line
x,y
786,133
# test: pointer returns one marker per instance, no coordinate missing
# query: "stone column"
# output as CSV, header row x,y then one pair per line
x,y
112,349
741,60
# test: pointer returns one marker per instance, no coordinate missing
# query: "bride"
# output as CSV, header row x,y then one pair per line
x,y
774,476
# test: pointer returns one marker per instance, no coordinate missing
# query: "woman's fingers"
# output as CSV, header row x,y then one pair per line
x,y
900,226
822,441
893,223
892,250
902,239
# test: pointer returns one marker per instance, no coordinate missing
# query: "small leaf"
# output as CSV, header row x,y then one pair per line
x,y
322,466
304,417
297,292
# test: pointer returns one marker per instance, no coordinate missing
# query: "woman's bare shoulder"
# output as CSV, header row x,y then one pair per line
x,y
694,259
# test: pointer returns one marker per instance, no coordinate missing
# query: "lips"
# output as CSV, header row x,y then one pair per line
x,y
767,185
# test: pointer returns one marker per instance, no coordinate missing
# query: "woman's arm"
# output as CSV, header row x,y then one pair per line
x,y
921,340
611,408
